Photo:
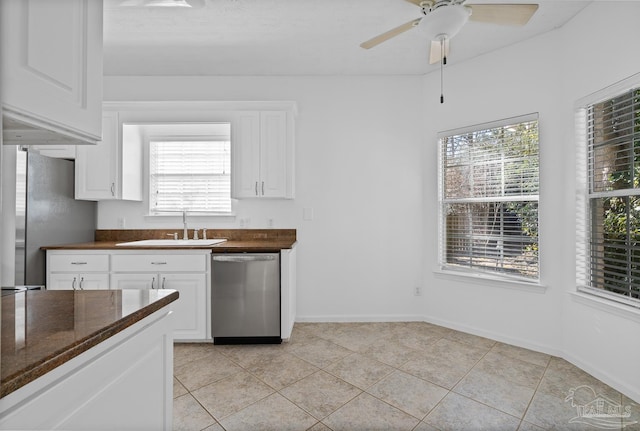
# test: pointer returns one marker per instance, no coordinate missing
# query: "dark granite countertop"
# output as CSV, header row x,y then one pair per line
x,y
43,329
237,240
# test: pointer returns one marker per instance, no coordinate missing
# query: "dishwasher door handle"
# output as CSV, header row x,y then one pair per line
x,y
242,258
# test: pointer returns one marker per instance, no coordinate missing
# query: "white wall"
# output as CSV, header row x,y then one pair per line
x,y
546,75
601,340
358,165
366,164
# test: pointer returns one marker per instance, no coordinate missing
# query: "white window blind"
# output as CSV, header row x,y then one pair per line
x,y
609,228
489,198
190,175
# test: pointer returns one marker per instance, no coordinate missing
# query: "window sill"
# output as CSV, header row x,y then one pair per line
x,y
613,307
493,281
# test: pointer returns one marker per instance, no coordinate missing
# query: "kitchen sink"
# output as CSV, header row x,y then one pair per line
x,y
171,242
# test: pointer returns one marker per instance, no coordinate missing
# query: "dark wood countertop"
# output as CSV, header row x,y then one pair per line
x,y
43,329
263,246
238,240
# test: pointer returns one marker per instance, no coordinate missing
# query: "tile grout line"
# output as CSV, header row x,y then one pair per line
x,y
395,369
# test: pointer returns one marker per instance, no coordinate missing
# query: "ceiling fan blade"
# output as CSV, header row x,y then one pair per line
x,y
502,13
417,2
435,54
389,34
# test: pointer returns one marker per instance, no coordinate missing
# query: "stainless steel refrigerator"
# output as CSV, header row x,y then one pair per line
x,y
46,213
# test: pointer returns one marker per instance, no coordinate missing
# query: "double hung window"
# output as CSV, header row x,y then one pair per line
x,y
190,174
488,187
609,206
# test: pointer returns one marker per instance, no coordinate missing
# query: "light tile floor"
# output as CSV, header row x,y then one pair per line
x,y
386,376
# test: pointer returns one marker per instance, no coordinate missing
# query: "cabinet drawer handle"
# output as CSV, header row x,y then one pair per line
x,y
73,283
158,263
153,282
78,263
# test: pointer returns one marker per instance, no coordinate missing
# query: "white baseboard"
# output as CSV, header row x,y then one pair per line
x,y
518,342
361,318
623,387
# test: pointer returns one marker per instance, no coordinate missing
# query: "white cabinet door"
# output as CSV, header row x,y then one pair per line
x,y
82,281
190,308
273,154
262,155
245,154
112,169
51,65
97,166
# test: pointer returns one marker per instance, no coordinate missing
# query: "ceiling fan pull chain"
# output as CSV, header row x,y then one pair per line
x,y
443,59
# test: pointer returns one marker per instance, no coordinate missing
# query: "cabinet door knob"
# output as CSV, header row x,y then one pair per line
x,y
81,281
163,279
73,283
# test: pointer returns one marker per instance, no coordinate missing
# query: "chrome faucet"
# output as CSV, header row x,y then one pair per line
x,y
185,235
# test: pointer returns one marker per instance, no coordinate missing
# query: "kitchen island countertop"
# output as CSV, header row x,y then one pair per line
x,y
42,330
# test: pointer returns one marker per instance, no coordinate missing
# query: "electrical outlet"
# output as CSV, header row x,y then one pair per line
x,y
417,291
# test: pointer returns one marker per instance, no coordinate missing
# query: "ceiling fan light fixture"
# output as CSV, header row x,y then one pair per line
x,y
444,22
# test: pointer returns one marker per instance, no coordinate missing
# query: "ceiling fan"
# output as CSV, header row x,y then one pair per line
x,y
443,19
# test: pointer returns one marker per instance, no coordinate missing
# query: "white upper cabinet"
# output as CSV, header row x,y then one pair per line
x,y
263,155
113,168
51,68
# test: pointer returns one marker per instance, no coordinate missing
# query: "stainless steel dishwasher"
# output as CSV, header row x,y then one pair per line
x,y
245,296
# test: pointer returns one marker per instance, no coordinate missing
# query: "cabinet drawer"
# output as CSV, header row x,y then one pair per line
x,y
158,263
79,263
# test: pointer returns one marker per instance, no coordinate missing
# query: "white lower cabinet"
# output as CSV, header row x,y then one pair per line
x,y
186,272
77,271
190,311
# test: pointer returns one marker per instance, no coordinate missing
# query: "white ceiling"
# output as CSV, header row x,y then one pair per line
x,y
295,37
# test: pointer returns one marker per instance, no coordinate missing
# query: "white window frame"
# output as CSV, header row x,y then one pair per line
x,y
584,193
176,131
188,139
478,272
